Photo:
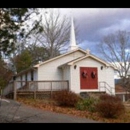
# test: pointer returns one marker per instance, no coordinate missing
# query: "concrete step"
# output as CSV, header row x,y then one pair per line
x,y
91,94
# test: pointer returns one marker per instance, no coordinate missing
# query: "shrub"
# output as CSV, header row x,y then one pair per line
x,y
109,106
87,104
109,97
66,98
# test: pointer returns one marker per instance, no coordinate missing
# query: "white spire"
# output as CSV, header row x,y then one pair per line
x,y
72,45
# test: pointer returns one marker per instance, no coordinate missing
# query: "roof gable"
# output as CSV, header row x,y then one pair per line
x,y
60,56
87,56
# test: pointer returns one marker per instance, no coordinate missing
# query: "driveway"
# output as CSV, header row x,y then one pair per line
x,y
12,111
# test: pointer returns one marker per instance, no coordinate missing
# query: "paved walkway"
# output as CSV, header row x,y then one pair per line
x,y
11,111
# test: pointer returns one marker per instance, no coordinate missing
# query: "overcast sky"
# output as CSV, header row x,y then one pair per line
x,y
94,23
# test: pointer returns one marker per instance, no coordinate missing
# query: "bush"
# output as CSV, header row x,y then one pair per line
x,y
109,97
66,98
87,104
109,106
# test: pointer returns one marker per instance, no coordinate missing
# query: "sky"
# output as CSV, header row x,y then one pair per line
x,y
94,23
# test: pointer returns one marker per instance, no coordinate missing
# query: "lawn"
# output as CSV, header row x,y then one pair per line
x,y
50,105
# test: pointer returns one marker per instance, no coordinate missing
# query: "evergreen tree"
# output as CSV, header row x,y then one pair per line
x,y
11,21
23,61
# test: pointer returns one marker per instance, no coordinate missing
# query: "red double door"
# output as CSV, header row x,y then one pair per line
x,y
88,78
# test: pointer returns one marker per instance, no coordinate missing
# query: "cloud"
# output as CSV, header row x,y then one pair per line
x,y
94,23
122,25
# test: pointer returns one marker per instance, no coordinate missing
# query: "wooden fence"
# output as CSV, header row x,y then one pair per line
x,y
35,87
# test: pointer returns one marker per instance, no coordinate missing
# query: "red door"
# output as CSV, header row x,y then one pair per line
x,y
88,78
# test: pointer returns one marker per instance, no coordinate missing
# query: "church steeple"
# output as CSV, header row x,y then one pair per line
x,y
72,45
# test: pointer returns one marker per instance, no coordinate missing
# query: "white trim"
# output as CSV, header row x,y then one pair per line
x,y
87,56
78,49
71,63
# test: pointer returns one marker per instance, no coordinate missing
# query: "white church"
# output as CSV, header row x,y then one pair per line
x,y
83,71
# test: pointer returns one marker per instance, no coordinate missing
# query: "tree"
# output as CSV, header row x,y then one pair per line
x,y
38,53
11,22
22,61
5,74
53,33
115,48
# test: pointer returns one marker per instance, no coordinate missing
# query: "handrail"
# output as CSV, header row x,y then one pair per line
x,y
106,86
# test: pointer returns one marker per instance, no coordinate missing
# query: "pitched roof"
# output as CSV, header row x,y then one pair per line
x,y
60,56
87,56
25,71
91,56
67,63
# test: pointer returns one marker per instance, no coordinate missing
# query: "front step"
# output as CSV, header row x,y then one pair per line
x,y
91,94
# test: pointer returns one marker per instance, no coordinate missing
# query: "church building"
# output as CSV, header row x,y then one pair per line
x,y
84,71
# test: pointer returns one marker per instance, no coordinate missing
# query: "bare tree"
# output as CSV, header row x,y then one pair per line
x,y
116,49
53,33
